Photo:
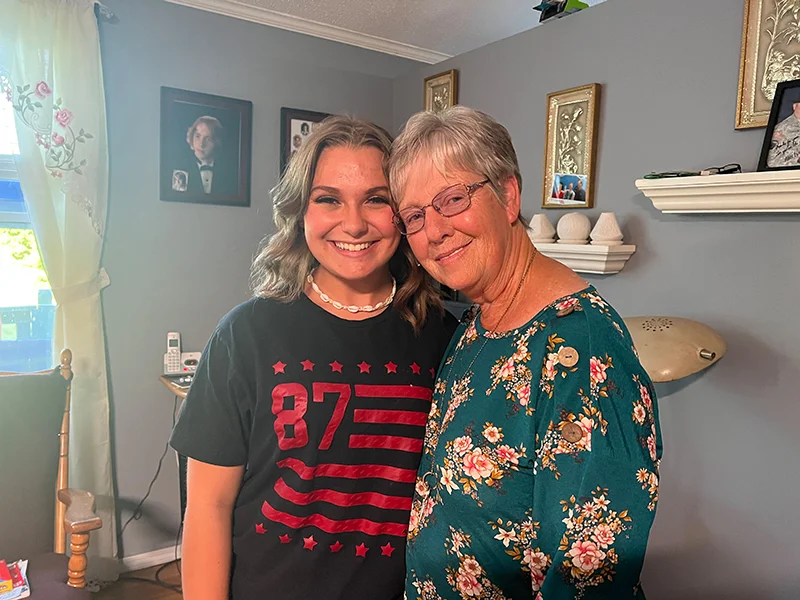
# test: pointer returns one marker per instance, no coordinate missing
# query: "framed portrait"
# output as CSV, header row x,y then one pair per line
x,y
296,126
770,55
205,148
571,147
781,149
441,91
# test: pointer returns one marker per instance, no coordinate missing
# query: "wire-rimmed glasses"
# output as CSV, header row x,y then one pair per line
x,y
448,203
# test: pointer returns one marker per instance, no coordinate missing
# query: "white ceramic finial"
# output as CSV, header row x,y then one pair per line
x,y
574,228
606,231
541,230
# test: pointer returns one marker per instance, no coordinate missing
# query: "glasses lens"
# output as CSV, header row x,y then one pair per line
x,y
452,201
410,220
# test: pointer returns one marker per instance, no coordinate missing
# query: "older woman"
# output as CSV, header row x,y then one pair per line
x,y
539,477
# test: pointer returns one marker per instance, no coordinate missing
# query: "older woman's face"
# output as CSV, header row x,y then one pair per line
x,y
464,252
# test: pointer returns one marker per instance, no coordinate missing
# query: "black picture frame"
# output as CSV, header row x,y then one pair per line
x,y
228,121
292,121
785,107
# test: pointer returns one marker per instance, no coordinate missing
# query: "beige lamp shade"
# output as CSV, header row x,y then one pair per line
x,y
671,348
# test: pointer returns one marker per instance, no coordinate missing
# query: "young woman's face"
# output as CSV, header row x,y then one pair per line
x,y
348,222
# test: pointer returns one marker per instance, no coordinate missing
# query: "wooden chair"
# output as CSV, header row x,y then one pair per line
x,y
34,454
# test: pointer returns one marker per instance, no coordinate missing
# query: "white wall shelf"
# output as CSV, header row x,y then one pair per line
x,y
589,258
767,192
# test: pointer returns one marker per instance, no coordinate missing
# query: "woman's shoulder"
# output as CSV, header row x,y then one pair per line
x,y
254,313
589,316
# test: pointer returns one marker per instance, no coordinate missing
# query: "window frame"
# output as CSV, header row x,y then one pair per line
x,y
8,172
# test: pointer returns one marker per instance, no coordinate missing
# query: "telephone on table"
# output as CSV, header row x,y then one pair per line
x,y
179,364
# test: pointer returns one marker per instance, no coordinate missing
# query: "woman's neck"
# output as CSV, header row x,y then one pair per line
x,y
497,298
368,291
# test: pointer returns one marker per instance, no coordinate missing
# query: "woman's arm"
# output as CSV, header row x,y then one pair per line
x,y
596,489
207,536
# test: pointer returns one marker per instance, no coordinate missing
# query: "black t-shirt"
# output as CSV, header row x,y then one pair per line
x,y
328,416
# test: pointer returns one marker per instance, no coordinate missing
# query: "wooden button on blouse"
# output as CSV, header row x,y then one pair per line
x,y
572,432
565,311
568,357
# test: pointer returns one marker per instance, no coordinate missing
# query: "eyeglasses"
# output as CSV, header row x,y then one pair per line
x,y
448,203
725,170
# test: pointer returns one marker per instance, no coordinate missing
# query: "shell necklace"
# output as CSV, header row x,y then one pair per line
x,y
351,308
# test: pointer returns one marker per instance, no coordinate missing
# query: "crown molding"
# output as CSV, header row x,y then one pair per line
x,y
264,16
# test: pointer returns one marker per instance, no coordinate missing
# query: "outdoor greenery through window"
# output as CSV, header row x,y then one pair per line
x,y
26,302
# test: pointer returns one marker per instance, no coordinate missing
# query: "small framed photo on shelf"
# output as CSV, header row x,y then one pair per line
x,y
296,126
781,148
441,91
571,147
205,148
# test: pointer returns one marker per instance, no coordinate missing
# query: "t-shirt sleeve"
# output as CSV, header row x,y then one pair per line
x,y
213,426
597,456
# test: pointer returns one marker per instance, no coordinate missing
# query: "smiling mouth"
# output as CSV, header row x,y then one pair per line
x,y
353,247
452,253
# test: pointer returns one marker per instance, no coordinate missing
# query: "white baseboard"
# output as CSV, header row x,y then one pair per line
x,y
149,559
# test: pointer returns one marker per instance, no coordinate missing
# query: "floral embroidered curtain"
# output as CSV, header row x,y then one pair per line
x,y
50,71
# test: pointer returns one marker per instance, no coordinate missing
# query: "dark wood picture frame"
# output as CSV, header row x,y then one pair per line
x,y
777,116
294,114
229,121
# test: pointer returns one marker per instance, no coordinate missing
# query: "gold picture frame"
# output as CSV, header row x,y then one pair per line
x,y
571,147
770,55
441,91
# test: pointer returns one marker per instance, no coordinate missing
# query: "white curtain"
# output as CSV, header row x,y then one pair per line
x,y
50,70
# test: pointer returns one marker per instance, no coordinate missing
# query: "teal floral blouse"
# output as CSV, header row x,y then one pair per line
x,y
539,477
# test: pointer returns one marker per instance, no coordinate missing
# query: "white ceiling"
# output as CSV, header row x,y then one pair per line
x,y
425,30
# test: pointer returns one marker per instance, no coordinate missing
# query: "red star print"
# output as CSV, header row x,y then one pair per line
x,y
279,367
390,367
260,529
387,549
361,550
307,365
415,368
285,539
336,366
364,367
433,373
337,546
309,542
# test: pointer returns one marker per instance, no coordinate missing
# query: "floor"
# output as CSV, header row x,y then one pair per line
x,y
128,589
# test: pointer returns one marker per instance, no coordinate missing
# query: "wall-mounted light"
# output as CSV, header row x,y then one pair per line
x,y
671,348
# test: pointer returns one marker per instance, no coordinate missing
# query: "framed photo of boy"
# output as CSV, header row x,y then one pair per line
x,y
781,148
296,126
205,148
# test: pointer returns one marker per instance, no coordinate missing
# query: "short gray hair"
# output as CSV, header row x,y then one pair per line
x,y
458,137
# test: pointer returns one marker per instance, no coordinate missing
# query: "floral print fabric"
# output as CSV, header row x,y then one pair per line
x,y
539,477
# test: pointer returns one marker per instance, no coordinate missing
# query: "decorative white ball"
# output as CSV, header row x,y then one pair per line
x,y
541,230
606,231
574,228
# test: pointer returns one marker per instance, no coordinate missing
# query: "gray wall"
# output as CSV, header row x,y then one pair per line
x,y
727,522
181,266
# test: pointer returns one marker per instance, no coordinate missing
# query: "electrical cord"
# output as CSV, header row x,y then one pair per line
x,y
137,513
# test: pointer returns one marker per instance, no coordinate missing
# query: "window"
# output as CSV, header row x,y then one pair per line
x,y
26,302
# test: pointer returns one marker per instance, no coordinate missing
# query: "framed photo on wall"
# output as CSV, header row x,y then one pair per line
x,y
296,126
441,91
770,55
571,147
205,148
781,149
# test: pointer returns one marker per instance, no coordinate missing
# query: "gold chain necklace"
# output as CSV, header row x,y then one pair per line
x,y
488,334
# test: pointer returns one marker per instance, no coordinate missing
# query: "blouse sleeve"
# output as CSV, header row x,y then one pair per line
x,y
597,454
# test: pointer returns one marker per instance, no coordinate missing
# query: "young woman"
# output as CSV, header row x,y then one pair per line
x,y
305,420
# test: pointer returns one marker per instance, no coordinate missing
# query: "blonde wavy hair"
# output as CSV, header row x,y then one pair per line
x,y
284,261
